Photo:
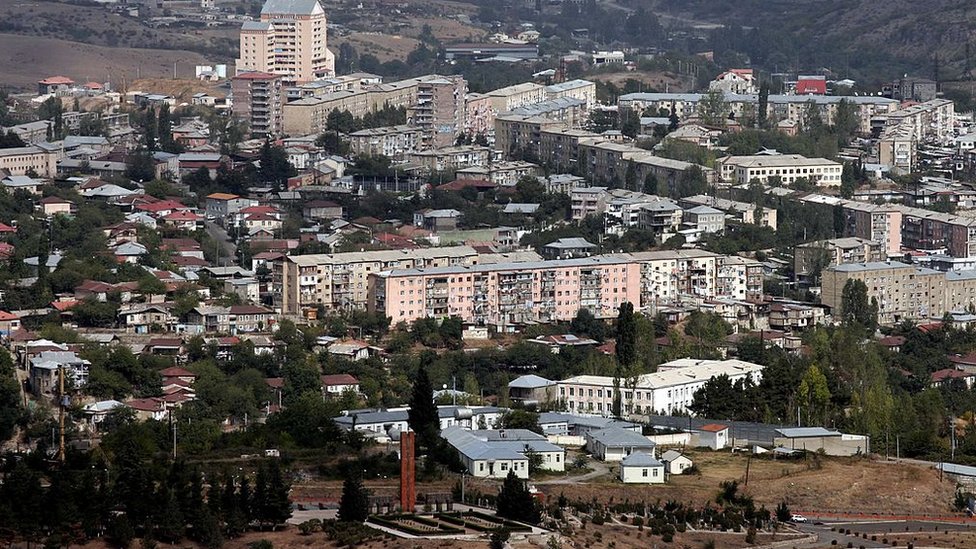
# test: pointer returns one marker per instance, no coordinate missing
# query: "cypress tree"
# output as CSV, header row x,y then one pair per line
x,y
354,504
422,416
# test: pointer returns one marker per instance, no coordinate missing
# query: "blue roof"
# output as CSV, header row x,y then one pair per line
x,y
807,432
615,437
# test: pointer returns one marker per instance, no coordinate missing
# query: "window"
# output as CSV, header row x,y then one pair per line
x,y
504,467
644,472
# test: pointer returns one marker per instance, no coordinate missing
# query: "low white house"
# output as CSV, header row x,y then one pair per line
x,y
641,468
614,443
493,453
675,462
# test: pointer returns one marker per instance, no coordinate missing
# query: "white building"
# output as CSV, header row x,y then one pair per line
x,y
675,462
787,167
492,454
641,468
714,436
614,443
395,419
670,390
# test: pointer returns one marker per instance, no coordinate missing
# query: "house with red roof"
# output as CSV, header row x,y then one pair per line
x,y
148,408
946,376
270,222
6,231
9,323
175,372
713,435
336,384
54,85
162,208
321,209
184,220
54,205
6,252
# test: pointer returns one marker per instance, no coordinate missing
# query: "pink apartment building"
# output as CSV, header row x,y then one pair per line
x,y
507,293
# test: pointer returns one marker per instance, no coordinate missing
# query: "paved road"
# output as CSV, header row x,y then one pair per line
x,y
826,537
228,250
599,469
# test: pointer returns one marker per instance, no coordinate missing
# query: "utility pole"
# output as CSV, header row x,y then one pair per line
x,y
173,423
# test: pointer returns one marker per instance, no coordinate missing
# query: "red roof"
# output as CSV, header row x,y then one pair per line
x,y
930,327
176,371
261,217
63,306
182,216
458,184
94,86
811,85
180,244
275,382
51,80
948,373
714,427
249,310
4,228
5,316
258,209
96,286
162,205
146,404
6,250
188,261
175,382
892,341
166,342
339,379
54,200
968,359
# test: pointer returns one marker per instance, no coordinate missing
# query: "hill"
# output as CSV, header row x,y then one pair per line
x,y
25,59
866,38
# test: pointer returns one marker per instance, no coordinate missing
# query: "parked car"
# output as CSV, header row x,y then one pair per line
x,y
798,518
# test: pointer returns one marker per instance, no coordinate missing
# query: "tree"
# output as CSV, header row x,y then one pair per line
x,y
783,513
762,115
354,503
515,502
713,110
522,419
812,120
856,309
275,168
626,349
422,417
814,395
140,166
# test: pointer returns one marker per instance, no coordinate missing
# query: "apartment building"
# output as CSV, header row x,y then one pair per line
x,y
257,101
507,294
289,40
741,170
739,278
781,107
606,160
439,110
812,257
670,390
583,90
507,99
932,119
450,158
740,211
559,146
310,115
519,135
903,292
41,159
339,281
568,111
479,118
666,276
877,223
739,81
391,141
504,173
586,201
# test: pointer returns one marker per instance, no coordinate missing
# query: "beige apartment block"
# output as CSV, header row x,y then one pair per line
x,y
741,170
289,40
903,292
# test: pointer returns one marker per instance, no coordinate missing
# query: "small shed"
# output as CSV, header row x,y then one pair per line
x,y
675,462
641,468
714,436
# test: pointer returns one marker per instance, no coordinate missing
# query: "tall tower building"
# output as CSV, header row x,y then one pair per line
x,y
257,101
289,40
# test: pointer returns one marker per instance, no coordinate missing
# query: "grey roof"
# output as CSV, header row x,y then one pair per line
x,y
585,421
547,107
956,469
571,243
102,406
20,181
615,437
52,261
520,208
671,455
807,432
526,265
530,381
568,85
878,266
703,210
773,99
295,7
255,26
640,459
480,445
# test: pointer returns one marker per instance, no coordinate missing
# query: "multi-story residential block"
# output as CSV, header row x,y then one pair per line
x,y
670,390
560,146
339,281
289,40
666,276
738,81
903,292
507,99
742,170
568,111
479,118
874,223
519,135
583,90
789,316
781,107
811,258
41,159
932,119
739,278
507,294
257,101
440,110
391,141
450,158
586,201
705,219
502,173
235,319
609,161
563,183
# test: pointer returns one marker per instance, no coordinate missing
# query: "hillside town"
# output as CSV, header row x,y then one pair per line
x,y
228,300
